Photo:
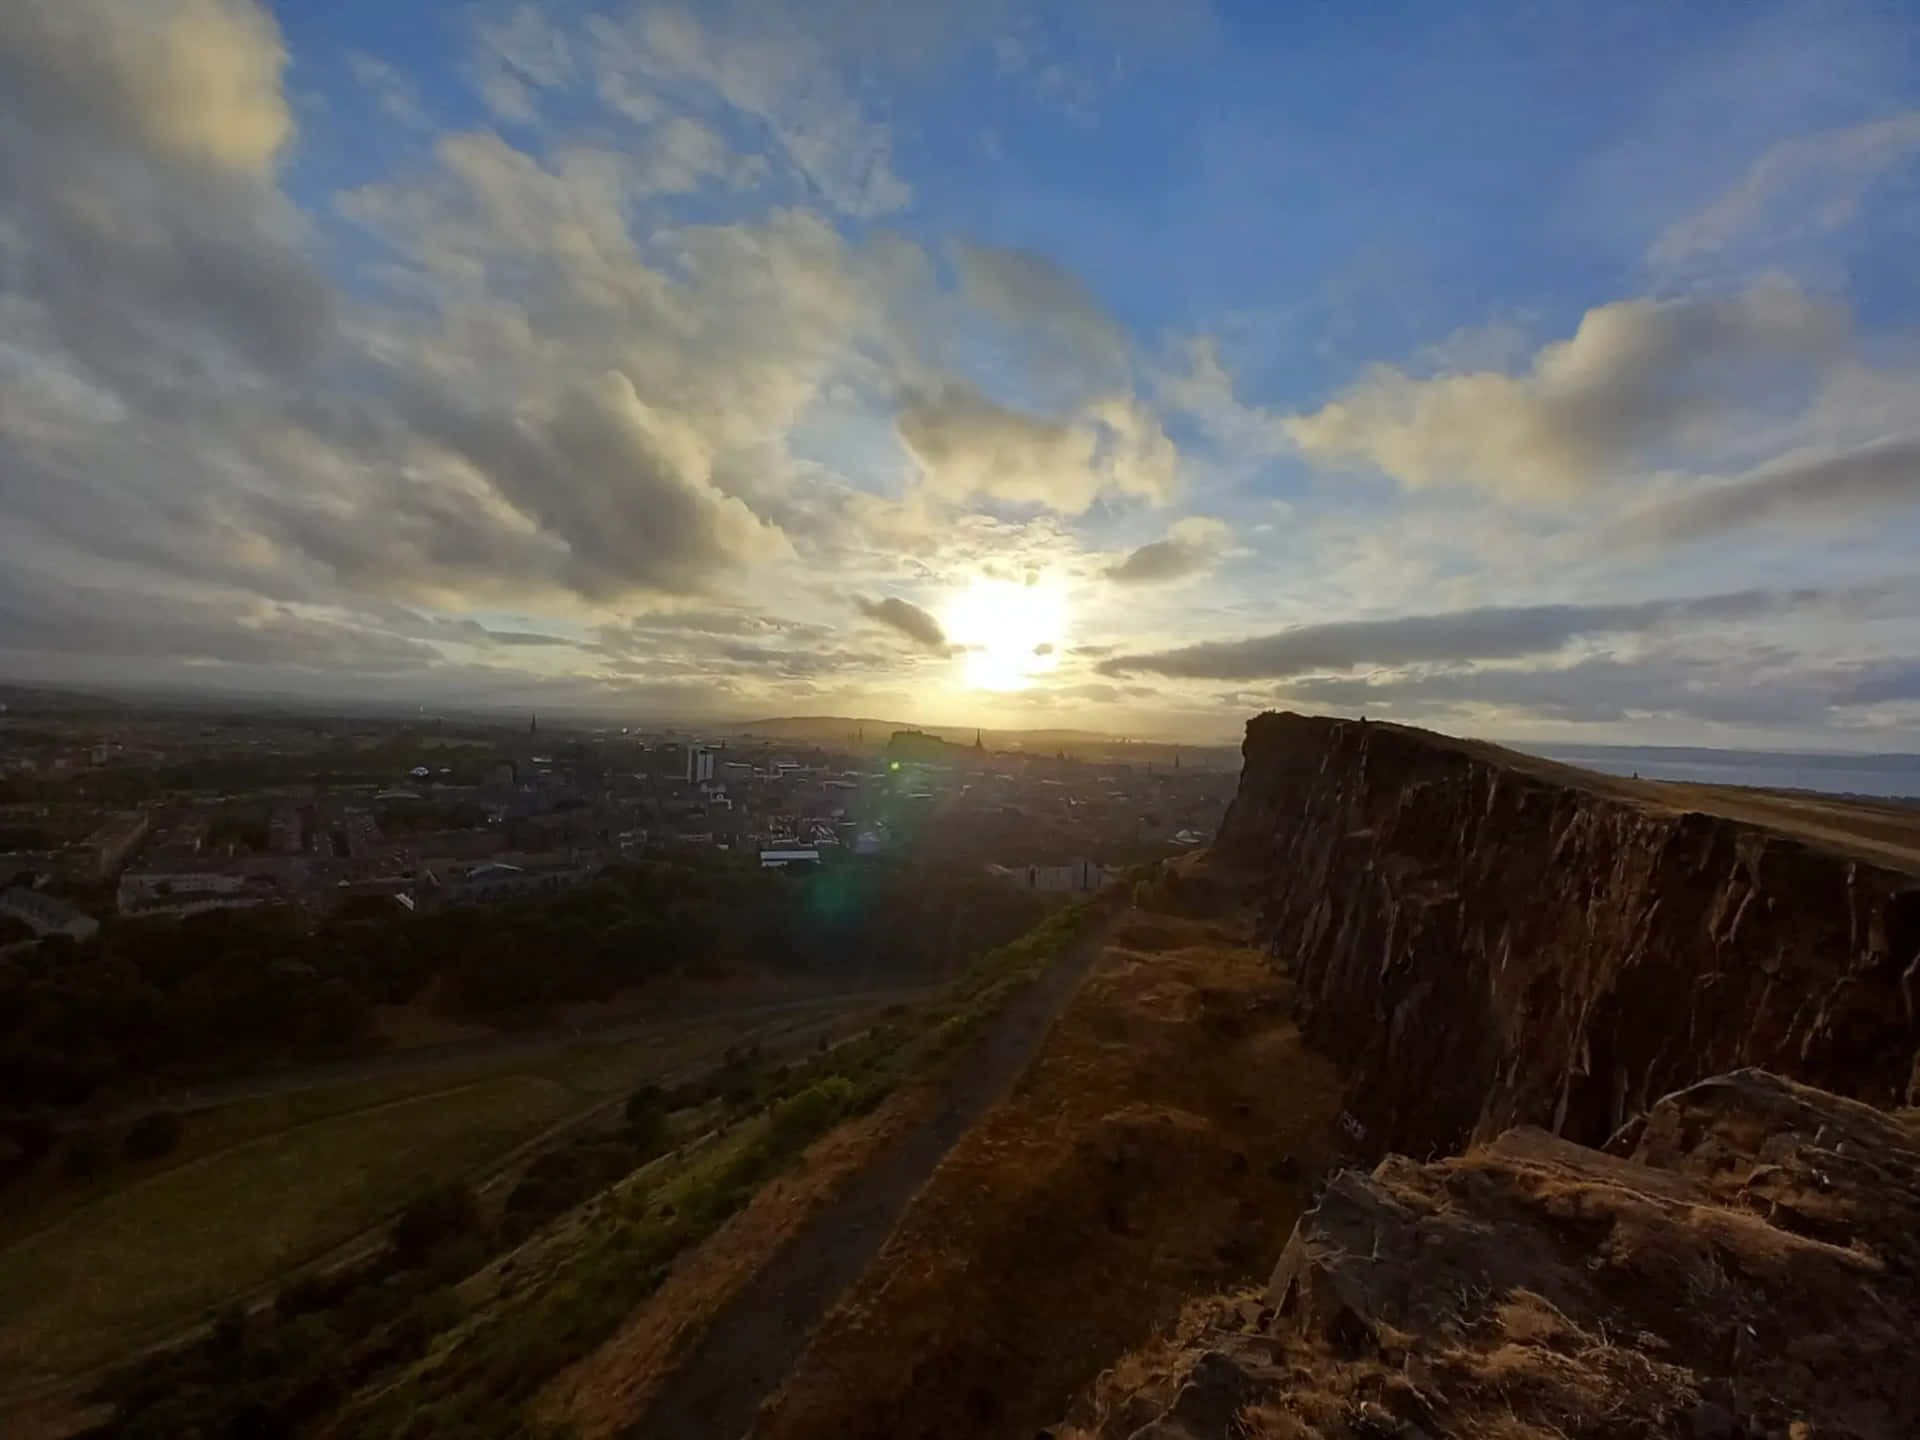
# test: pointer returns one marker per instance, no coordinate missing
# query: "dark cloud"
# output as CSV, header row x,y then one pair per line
x,y
1065,334
77,620
1813,488
1189,549
1484,634
909,619
1751,686
136,154
527,637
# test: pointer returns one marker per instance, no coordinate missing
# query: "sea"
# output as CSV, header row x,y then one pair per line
x,y
1884,776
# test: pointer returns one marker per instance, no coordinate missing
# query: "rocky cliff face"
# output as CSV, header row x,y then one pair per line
x,y
1485,940
1747,1267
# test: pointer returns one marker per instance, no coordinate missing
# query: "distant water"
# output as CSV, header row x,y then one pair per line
x,y
1882,775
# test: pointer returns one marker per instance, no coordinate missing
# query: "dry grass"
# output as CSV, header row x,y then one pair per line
x,y
600,1395
1134,1165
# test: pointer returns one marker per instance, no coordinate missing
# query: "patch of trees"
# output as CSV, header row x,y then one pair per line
x,y
163,1001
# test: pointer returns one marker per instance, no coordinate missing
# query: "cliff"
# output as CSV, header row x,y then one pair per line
x,y
1747,1267
1484,940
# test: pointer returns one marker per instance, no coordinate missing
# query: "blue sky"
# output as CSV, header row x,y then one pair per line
x,y
1537,371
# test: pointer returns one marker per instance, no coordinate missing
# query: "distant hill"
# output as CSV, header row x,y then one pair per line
x,y
1080,744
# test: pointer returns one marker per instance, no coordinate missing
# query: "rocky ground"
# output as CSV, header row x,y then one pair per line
x,y
1744,1261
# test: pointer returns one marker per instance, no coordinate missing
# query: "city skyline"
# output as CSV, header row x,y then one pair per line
x,y
1536,372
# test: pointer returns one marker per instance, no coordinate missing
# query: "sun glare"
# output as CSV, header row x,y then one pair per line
x,y
1011,632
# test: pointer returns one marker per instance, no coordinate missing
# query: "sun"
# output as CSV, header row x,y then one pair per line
x,y
1012,632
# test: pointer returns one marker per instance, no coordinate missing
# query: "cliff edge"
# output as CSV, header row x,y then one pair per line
x,y
1748,1268
1484,940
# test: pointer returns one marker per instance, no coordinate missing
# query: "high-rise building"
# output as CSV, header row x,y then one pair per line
x,y
699,765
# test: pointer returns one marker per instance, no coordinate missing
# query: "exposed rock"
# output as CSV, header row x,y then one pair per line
x,y
1484,940
1750,1268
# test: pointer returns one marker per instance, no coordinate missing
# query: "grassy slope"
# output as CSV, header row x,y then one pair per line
x,y
267,1183
1158,1145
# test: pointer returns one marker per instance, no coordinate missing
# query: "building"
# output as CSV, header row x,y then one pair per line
x,y
44,915
543,874
780,859
109,847
1077,878
699,765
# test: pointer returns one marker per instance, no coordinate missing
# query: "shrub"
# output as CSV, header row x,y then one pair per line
x,y
646,1114
152,1136
85,1154
444,1213
812,1111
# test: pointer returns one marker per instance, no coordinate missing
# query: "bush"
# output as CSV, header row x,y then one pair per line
x,y
152,1136
647,1119
444,1213
812,1111
85,1154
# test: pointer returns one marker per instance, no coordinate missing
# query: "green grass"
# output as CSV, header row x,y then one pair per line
x,y
156,1253
267,1183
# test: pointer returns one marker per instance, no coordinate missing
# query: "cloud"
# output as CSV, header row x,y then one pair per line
x,y
146,241
1638,381
909,619
191,80
1813,487
1753,686
769,68
626,488
52,615
1048,311
1204,389
515,57
968,446
1191,547
397,95
1490,633
1812,182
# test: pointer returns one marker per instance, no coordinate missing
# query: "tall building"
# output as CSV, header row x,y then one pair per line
x,y
699,765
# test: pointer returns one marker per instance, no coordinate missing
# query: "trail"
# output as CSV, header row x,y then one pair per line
x,y
717,1390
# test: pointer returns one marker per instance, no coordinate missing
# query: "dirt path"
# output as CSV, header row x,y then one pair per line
x,y
717,1390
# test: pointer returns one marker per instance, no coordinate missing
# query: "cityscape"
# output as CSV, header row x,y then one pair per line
x,y
118,813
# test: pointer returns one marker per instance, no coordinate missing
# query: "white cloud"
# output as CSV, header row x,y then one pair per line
x,y
515,57
1638,383
967,446
767,68
1205,390
396,93
1811,183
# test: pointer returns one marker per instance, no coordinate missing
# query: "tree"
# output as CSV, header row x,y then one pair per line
x,y
647,1119
444,1213
152,1136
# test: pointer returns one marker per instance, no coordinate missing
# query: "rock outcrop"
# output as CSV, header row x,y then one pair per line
x,y
1486,940
1748,1267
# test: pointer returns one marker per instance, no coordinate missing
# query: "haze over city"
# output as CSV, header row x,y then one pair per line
x,y
1533,371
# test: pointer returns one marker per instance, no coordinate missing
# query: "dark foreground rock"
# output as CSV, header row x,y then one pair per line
x,y
1482,939
1743,1262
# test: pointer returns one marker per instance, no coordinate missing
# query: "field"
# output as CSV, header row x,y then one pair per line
x,y
91,1270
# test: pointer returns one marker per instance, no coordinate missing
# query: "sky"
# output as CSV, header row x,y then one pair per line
x,y
1542,371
